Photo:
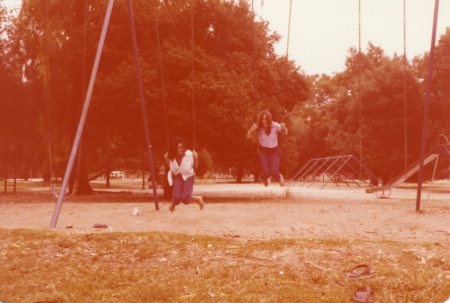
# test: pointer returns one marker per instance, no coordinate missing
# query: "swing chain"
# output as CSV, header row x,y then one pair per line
x,y
405,98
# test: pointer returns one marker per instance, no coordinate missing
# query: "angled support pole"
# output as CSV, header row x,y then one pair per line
x,y
310,172
356,173
305,175
301,170
297,177
142,99
84,113
292,181
318,170
346,159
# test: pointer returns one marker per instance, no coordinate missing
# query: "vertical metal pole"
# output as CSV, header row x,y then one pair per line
x,y
289,30
360,147
143,106
163,81
194,107
359,26
426,106
405,98
83,117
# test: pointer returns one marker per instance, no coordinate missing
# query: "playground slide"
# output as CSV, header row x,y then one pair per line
x,y
414,168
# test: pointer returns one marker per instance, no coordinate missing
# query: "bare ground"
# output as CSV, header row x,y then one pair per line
x,y
247,211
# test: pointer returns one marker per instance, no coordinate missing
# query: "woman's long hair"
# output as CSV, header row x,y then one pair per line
x,y
173,147
262,114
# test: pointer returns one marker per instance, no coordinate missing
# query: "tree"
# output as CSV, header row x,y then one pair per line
x,y
439,122
16,108
230,67
366,102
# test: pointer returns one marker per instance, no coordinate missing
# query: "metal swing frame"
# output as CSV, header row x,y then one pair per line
x,y
87,102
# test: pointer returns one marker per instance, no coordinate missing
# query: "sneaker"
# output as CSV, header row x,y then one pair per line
x,y
281,180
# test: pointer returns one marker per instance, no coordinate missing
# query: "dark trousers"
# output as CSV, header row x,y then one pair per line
x,y
182,189
269,160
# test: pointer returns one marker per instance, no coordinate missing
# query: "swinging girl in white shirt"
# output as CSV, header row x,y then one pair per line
x,y
181,163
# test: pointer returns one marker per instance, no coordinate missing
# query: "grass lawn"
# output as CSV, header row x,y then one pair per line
x,y
37,265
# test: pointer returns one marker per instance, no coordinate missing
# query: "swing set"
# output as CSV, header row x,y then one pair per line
x,y
87,101
149,154
340,169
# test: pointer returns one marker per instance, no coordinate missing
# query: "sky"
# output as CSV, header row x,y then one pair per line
x,y
322,31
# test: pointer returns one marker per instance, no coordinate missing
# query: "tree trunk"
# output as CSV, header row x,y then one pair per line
x,y
83,188
108,178
257,175
74,175
46,173
15,179
239,173
143,170
72,180
5,186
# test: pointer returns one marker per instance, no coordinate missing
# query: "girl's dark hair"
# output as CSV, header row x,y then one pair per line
x,y
173,147
262,114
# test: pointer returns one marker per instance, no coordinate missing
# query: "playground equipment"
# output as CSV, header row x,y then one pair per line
x,y
344,169
87,102
432,155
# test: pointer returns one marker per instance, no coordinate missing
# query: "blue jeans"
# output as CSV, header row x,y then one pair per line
x,y
182,189
269,160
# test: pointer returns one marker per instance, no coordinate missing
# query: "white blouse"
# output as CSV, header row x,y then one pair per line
x,y
185,168
269,140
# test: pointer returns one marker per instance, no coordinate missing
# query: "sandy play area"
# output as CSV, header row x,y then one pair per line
x,y
247,211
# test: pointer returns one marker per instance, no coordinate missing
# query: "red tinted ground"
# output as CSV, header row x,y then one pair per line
x,y
247,211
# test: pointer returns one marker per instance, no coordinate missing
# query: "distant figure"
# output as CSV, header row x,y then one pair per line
x,y
181,163
268,149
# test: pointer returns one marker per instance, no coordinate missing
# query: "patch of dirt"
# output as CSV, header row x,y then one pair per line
x,y
249,212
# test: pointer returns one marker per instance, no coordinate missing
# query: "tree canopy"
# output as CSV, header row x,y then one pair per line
x,y
208,68
213,57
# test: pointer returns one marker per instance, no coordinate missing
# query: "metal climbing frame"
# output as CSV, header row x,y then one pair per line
x,y
344,169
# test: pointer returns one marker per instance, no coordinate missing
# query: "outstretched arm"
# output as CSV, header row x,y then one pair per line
x,y
252,131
